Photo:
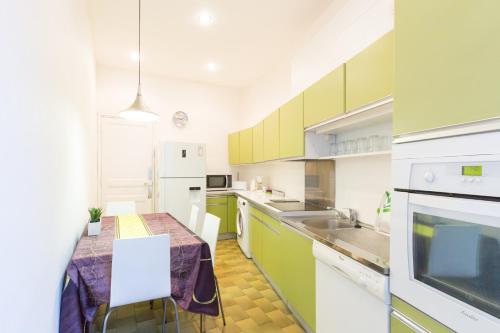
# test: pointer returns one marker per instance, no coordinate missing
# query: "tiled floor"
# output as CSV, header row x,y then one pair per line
x,y
250,304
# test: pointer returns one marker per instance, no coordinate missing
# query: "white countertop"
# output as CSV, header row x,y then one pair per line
x,y
258,197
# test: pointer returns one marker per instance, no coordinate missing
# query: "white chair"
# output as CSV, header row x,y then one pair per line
x,y
138,276
209,234
193,219
114,208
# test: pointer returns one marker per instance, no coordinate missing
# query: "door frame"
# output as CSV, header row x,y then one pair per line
x,y
154,135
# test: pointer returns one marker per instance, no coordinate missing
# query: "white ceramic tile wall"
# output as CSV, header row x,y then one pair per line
x,y
284,176
360,184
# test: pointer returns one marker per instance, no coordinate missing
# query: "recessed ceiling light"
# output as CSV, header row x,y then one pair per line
x,y
211,67
205,18
134,55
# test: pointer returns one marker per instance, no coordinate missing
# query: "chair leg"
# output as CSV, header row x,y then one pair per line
x,y
220,301
106,318
164,322
177,325
201,323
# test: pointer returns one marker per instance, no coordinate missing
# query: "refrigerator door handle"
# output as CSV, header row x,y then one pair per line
x,y
195,188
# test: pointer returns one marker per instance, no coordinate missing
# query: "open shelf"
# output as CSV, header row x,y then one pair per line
x,y
379,112
338,157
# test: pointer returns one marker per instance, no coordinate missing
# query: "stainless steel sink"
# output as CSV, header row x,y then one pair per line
x,y
326,223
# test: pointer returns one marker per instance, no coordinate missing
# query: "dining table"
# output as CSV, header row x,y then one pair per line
x,y
89,270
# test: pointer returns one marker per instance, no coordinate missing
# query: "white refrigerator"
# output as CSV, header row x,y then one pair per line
x,y
182,179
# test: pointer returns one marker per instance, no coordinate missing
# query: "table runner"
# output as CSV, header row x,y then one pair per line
x,y
131,226
193,283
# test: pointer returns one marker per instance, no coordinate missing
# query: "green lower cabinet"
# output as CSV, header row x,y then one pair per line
x,y
414,316
397,326
217,206
255,239
231,213
299,274
271,253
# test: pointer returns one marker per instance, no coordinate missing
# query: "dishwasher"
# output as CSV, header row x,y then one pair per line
x,y
350,297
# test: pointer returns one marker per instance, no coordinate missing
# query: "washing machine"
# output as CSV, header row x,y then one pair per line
x,y
242,226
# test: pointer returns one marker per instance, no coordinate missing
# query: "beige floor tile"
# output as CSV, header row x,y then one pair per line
x,y
250,304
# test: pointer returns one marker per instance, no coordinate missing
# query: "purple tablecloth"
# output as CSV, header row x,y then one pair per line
x,y
193,282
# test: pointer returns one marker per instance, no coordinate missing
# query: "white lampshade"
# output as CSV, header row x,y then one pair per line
x,y
138,111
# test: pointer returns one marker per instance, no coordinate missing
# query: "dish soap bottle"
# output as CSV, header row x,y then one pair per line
x,y
383,222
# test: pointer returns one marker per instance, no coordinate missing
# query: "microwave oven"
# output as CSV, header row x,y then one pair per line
x,y
445,239
219,182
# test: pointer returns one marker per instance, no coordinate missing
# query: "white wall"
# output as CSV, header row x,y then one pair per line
x,y
47,93
212,110
347,27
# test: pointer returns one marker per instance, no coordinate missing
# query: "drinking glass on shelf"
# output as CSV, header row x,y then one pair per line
x,y
341,148
385,143
353,147
333,148
373,143
362,144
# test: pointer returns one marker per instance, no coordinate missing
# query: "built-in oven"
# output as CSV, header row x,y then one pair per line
x,y
219,182
445,236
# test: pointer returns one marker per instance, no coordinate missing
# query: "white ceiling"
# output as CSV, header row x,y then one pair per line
x,y
248,37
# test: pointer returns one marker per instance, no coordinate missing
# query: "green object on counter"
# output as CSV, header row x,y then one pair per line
x,y
416,316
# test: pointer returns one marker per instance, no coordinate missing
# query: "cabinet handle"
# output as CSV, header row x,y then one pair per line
x,y
402,318
217,204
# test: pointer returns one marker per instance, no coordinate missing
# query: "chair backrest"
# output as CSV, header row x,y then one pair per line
x,y
210,232
114,208
193,219
140,269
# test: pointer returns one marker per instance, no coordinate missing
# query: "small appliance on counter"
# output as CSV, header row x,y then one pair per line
x,y
219,182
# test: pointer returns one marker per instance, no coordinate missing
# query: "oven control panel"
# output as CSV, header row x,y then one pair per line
x,y
471,177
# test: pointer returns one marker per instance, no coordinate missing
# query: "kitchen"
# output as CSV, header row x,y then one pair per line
x,y
351,166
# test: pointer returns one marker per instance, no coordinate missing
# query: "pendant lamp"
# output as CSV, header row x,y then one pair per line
x,y
138,111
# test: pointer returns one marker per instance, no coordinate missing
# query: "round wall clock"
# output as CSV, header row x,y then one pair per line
x,y
180,119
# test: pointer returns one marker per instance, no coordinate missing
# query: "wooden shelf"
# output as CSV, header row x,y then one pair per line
x,y
374,153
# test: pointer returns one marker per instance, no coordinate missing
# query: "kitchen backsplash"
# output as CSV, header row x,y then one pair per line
x,y
284,176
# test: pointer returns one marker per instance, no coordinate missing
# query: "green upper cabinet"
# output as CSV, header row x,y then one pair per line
x,y
299,283
447,63
272,136
258,142
246,143
234,148
325,99
292,128
231,213
370,73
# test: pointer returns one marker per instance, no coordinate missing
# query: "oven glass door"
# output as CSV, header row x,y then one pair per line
x,y
455,248
217,181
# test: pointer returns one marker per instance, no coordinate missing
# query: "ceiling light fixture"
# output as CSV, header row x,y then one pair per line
x,y
134,55
205,18
138,111
212,67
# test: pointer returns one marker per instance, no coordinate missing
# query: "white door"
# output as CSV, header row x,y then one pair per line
x,y
126,163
